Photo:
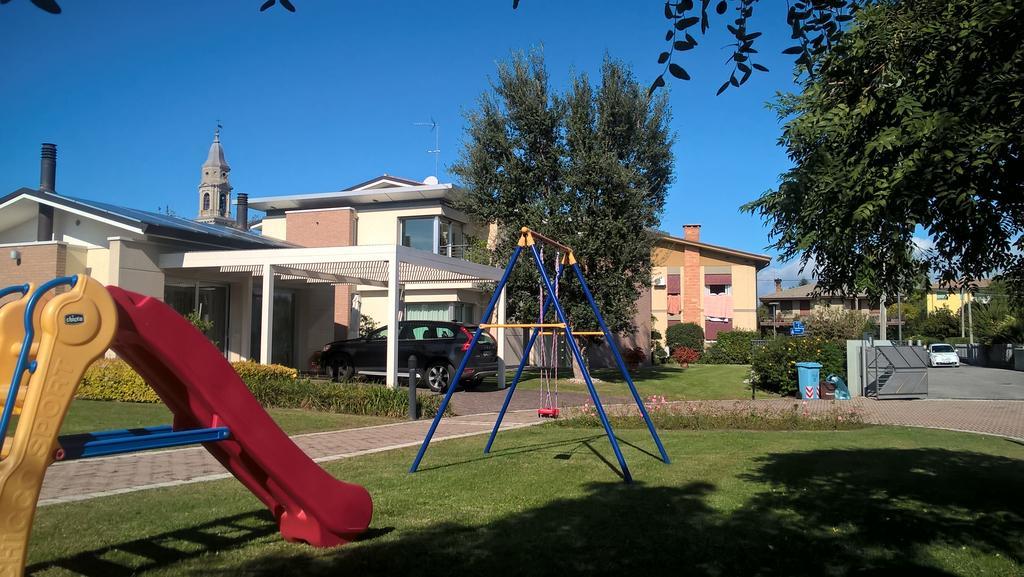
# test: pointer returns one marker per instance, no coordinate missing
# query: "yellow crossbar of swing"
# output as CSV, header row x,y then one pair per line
x,y
578,333
522,325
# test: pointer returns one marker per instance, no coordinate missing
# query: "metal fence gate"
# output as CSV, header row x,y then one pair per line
x,y
895,372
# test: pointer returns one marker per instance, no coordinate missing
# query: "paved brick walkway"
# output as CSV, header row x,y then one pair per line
x,y
89,478
86,479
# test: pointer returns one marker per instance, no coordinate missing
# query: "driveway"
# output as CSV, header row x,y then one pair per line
x,y
968,382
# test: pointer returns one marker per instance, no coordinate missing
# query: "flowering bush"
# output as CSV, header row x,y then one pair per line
x,y
633,356
685,355
710,415
774,365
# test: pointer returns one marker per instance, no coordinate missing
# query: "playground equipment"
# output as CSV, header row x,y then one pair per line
x,y
210,403
527,240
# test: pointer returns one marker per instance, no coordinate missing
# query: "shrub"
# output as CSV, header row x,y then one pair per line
x,y
253,373
731,348
273,386
688,335
114,380
685,355
633,356
774,365
353,399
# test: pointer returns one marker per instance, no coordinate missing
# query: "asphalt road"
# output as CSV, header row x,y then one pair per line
x,y
967,382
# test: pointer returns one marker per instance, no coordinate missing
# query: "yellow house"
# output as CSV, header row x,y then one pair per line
x,y
952,299
713,286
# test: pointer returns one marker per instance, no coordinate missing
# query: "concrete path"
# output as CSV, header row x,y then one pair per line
x,y
90,478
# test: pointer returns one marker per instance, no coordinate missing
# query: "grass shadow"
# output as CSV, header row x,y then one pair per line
x,y
826,512
518,450
166,549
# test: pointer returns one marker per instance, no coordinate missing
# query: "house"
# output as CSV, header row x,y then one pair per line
x,y
940,296
784,306
315,254
696,282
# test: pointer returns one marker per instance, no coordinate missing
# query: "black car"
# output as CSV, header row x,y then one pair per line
x,y
438,346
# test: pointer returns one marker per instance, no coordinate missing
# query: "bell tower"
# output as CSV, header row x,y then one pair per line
x,y
214,187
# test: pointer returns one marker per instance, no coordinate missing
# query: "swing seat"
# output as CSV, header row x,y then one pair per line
x,y
548,412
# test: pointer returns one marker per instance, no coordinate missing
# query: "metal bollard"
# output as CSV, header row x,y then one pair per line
x,y
414,379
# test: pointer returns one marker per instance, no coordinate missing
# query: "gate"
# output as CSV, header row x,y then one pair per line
x,y
895,372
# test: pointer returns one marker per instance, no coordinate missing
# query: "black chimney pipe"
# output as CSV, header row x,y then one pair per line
x,y
47,183
48,168
242,211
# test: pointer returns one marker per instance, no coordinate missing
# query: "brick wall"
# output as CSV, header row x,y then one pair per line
x,y
330,227
39,263
691,286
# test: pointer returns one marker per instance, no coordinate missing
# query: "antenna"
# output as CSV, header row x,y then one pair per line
x,y
437,136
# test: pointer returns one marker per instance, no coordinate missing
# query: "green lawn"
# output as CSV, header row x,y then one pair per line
x,y
88,416
698,382
878,501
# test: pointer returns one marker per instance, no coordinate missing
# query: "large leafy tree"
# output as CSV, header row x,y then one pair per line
x,y
912,120
589,167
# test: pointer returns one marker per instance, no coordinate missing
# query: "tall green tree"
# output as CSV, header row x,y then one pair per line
x,y
912,119
589,167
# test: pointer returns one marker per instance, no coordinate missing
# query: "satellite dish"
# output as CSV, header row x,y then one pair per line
x,y
431,180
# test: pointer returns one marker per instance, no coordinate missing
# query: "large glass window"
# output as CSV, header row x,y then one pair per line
x,y
435,234
418,233
282,351
208,302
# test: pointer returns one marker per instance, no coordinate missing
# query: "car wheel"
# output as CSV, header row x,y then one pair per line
x,y
342,369
438,376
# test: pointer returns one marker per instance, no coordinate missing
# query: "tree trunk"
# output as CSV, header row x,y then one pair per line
x,y
577,373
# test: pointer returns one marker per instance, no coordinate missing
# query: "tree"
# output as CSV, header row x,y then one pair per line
x,y
940,324
589,168
913,119
837,324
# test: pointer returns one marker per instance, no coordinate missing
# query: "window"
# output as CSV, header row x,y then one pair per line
x,y
378,335
418,233
941,295
434,234
444,311
718,289
206,201
223,204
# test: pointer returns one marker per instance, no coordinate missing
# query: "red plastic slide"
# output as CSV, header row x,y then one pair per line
x,y
202,390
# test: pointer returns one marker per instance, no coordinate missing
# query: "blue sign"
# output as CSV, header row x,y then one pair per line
x,y
797,329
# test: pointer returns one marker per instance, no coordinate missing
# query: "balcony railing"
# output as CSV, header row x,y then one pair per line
x,y
470,252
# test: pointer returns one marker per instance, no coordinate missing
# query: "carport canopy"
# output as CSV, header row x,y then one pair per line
x,y
385,266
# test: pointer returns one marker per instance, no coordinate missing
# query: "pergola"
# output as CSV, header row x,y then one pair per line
x,y
384,266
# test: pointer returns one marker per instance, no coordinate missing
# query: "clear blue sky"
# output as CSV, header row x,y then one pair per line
x,y
327,97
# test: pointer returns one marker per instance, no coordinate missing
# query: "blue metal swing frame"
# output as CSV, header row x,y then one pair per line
x,y
552,300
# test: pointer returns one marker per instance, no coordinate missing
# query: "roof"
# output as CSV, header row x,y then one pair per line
x,y
362,196
802,292
384,179
762,260
216,155
152,223
979,283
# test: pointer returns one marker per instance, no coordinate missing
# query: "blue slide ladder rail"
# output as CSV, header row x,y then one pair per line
x,y
97,444
577,354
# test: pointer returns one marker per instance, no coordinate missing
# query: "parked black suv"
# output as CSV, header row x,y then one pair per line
x,y
438,346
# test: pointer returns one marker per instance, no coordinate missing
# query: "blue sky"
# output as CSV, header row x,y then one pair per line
x,y
328,96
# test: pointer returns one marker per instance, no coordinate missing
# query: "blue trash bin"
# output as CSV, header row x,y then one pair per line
x,y
807,377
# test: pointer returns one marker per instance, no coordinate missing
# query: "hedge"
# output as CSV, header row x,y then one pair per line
x,y
774,365
272,385
688,335
731,348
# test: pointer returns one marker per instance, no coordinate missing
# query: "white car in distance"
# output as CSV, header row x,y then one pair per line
x,y
942,355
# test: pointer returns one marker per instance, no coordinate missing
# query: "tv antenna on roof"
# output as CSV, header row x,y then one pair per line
x,y
437,135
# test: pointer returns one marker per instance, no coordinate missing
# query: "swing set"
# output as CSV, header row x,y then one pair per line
x,y
548,297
